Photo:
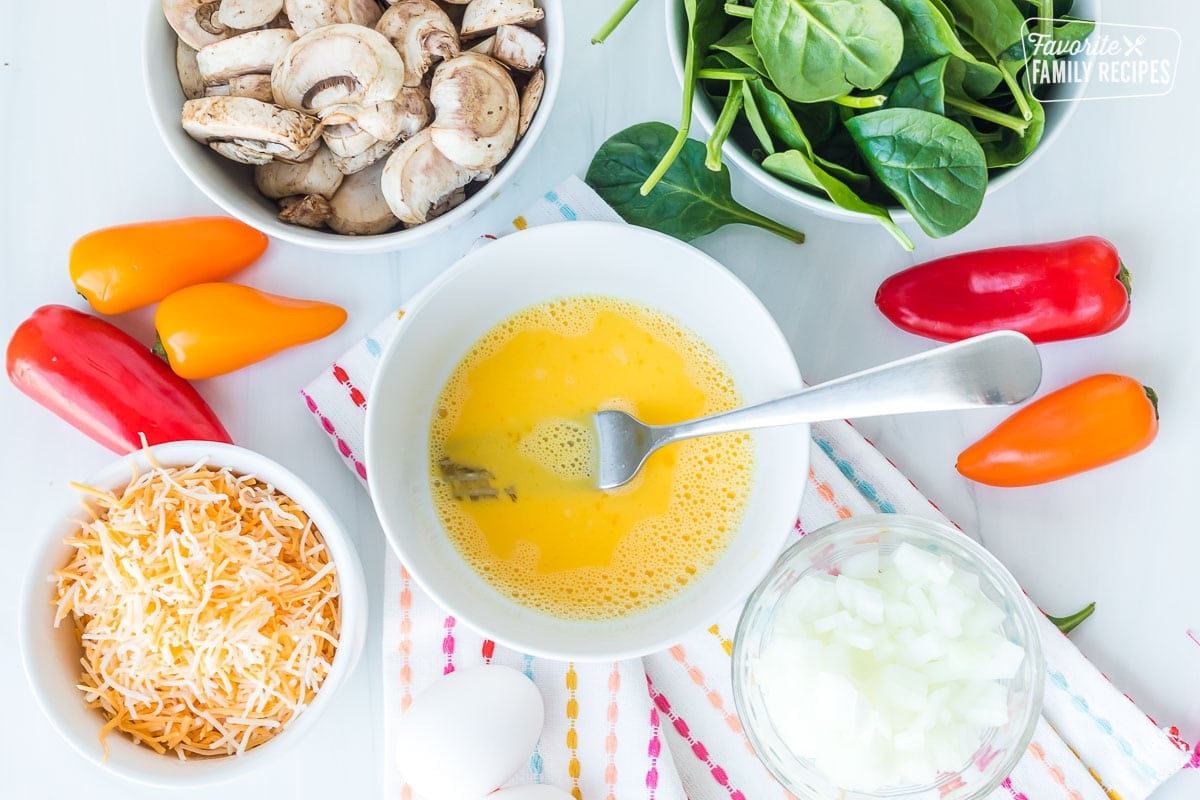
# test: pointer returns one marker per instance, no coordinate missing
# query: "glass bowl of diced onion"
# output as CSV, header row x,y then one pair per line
x,y
888,656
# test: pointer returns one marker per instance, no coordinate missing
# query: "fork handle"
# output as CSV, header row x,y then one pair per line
x,y
999,368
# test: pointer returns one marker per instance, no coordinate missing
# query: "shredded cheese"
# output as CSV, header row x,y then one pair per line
x,y
207,607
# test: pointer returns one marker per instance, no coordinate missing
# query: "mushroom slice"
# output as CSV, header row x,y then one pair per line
x,y
389,120
318,175
252,53
348,165
449,203
241,153
518,48
347,139
310,210
477,109
216,90
256,86
247,14
418,177
261,128
482,17
422,33
358,207
484,46
341,63
308,15
189,72
195,21
531,98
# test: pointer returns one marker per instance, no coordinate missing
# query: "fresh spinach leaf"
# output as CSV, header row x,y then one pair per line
x,y
782,123
754,116
1012,149
817,50
738,44
798,167
928,35
995,24
689,201
932,165
924,88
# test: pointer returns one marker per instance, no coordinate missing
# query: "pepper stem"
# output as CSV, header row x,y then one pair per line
x,y
1153,395
1070,623
158,349
1125,278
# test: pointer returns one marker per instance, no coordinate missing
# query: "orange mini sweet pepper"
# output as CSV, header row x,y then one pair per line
x,y
129,266
213,328
1086,425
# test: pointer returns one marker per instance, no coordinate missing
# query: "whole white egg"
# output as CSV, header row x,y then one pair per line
x,y
469,732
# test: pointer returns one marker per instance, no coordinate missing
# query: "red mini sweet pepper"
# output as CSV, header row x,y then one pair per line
x,y
105,383
1049,292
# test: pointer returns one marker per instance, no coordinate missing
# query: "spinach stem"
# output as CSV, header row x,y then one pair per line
x,y
755,118
857,101
727,74
749,217
735,10
614,21
685,122
1045,17
1018,93
721,130
1071,622
990,114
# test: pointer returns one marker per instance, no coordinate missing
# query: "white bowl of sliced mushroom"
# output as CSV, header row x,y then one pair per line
x,y
352,125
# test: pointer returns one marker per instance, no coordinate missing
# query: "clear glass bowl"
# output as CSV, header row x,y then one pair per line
x,y
999,750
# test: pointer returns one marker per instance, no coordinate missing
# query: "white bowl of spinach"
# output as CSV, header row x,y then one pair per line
x,y
875,110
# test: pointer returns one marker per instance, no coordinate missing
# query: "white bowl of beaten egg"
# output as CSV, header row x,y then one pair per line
x,y
217,631
478,453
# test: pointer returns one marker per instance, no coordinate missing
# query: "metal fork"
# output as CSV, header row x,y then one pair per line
x,y
999,368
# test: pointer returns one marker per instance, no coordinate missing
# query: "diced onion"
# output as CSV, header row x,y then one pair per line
x,y
890,672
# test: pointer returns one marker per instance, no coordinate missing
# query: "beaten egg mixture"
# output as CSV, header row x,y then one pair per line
x,y
512,459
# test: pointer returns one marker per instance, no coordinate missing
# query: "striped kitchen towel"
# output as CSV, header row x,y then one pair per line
x,y
664,727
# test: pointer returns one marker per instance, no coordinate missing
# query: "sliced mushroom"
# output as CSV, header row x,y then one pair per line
x,y
246,14
259,130
449,203
477,111
483,46
531,98
256,86
311,211
418,177
338,64
422,33
358,207
389,120
518,48
482,17
348,165
318,175
195,21
252,53
308,15
189,73
347,139
216,90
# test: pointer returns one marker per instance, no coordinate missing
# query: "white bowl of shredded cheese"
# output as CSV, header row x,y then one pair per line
x,y
194,618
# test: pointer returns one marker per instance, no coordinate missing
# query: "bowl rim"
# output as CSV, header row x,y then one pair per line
x,y
156,28
1025,612
702,109
32,614
400,540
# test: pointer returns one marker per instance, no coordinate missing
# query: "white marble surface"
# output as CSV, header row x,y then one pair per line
x,y
77,152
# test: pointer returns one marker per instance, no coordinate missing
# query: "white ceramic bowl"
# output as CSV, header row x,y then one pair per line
x,y
51,655
1057,115
231,185
544,263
